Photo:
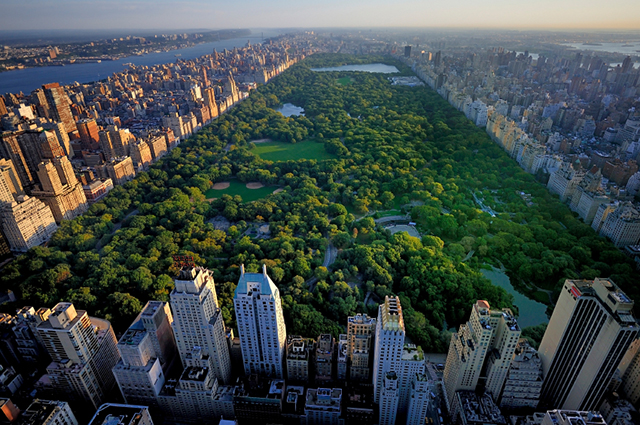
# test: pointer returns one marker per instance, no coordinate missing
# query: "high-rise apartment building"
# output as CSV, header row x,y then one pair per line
x,y
360,332
89,134
419,400
323,406
48,412
61,190
261,326
524,380
198,323
590,330
121,414
389,342
146,350
618,222
389,397
26,222
120,170
299,355
10,149
141,155
60,105
342,358
83,352
485,343
630,371
324,358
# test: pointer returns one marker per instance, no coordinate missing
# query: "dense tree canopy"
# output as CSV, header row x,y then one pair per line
x,y
396,147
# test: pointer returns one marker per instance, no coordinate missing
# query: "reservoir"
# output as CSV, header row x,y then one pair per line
x,y
371,67
532,312
27,80
289,109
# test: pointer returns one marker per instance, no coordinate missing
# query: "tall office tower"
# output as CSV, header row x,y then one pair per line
x,y
88,130
26,222
407,51
298,358
146,350
360,331
10,149
324,358
83,352
489,335
389,397
61,190
389,342
59,105
524,380
3,107
39,99
260,324
419,400
48,412
630,371
590,330
198,324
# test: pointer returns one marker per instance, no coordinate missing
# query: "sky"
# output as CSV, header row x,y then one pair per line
x,y
221,14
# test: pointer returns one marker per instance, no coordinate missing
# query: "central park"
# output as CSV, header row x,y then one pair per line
x,y
363,149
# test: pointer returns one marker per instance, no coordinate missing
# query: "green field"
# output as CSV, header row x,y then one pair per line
x,y
344,81
280,151
238,188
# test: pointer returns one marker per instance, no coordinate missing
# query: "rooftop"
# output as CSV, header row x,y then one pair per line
x,y
479,409
120,414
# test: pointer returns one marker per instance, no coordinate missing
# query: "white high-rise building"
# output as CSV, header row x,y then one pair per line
x,y
389,397
260,324
389,342
490,335
360,332
83,352
198,324
590,330
419,400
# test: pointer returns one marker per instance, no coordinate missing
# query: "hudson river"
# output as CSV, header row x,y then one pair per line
x,y
27,80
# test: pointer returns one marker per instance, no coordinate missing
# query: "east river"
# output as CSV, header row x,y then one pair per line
x,y
27,80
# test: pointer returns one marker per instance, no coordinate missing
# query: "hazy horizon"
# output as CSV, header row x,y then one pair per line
x,y
99,15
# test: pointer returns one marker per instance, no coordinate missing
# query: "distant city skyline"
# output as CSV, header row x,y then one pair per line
x,y
148,14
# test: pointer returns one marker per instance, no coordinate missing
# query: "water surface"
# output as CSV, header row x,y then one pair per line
x,y
532,312
371,67
289,109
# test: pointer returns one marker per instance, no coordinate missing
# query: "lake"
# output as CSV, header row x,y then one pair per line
x,y
289,109
27,80
532,312
380,68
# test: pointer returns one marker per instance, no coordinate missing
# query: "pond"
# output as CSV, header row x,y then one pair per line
x,y
532,312
370,67
289,109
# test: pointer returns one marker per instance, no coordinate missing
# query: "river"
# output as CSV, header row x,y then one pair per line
x,y
27,80
531,313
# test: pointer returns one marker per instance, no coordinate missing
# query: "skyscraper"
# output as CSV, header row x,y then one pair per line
x,y
83,352
198,324
389,342
419,400
61,190
260,324
146,350
59,105
591,328
88,130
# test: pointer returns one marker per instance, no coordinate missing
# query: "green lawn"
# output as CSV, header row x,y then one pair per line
x,y
280,151
238,188
344,81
